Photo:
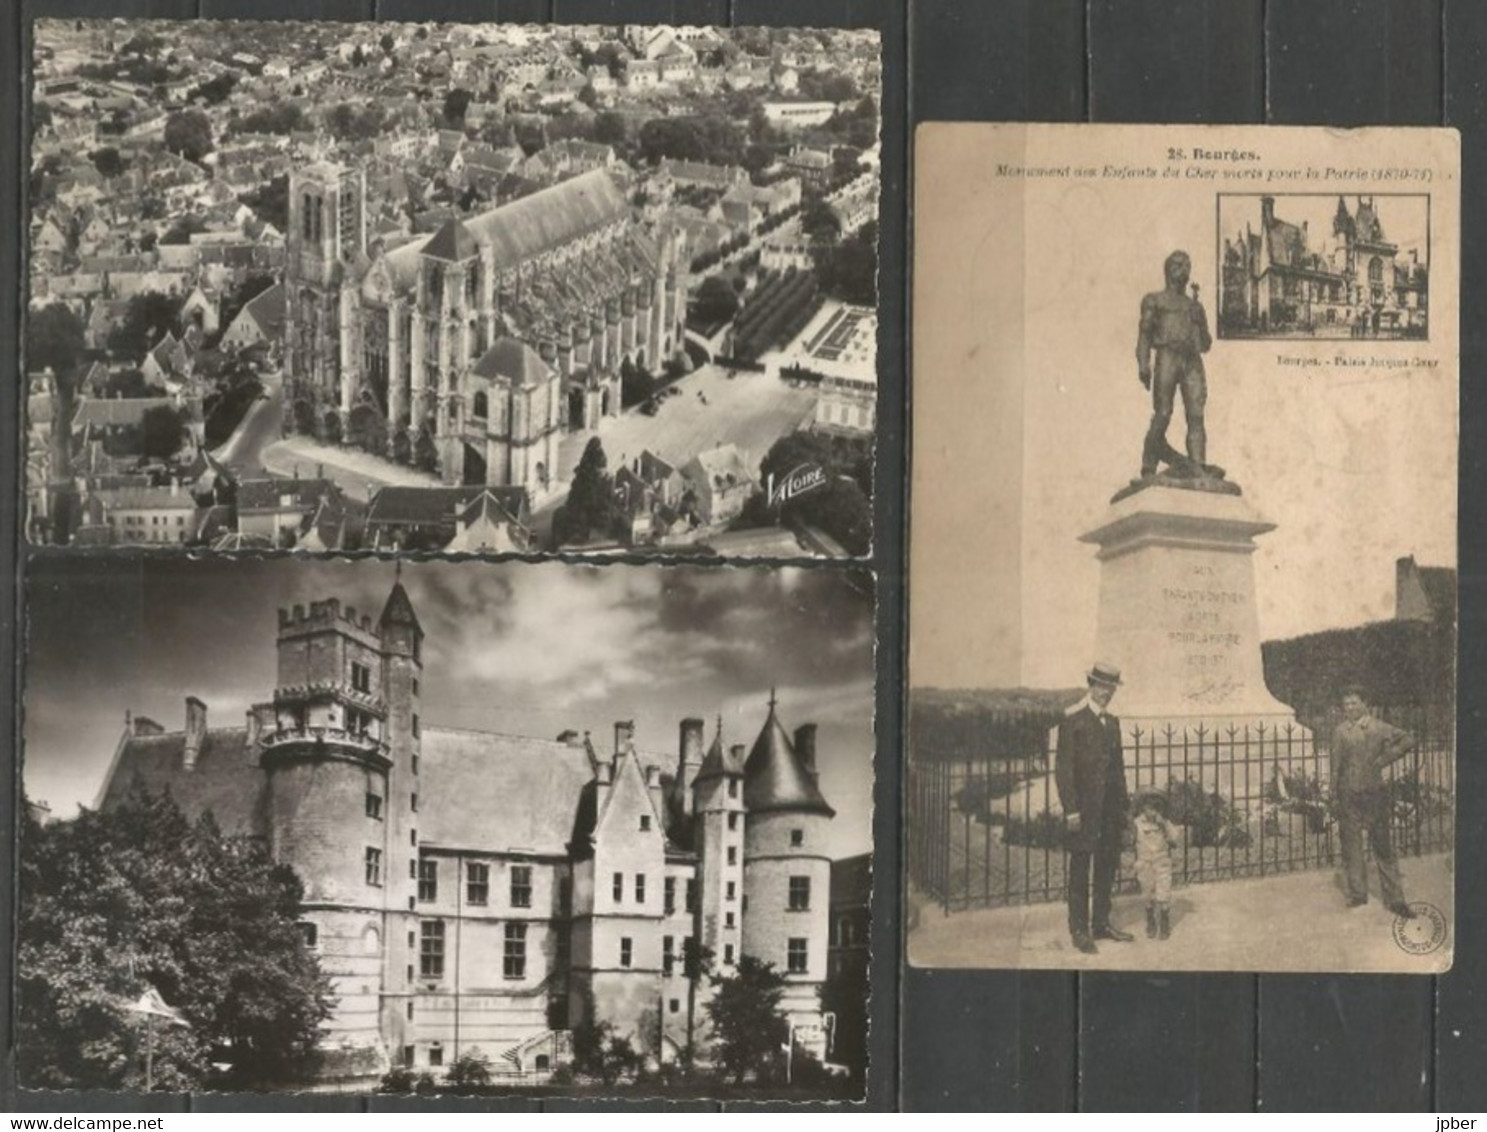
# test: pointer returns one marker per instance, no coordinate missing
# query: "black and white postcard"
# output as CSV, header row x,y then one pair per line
x,y
446,828
452,287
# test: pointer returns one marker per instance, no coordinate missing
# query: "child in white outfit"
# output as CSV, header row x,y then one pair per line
x,y
1155,841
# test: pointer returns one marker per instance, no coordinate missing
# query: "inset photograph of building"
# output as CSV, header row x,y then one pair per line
x,y
455,826
1324,265
554,288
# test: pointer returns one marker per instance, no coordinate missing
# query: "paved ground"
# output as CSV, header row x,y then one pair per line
x,y
1294,922
357,474
751,410
260,427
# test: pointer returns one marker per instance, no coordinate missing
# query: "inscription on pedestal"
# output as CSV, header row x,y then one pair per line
x,y
1207,641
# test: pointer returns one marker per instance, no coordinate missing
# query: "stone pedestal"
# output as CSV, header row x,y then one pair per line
x,y
1177,609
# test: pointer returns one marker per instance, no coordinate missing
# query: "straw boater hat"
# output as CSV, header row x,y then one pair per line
x,y
1106,674
1150,794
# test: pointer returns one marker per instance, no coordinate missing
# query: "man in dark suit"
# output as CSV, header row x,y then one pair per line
x,y
1089,770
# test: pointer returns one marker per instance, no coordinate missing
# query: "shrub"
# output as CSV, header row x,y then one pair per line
x,y
1210,820
470,1071
1044,831
398,1079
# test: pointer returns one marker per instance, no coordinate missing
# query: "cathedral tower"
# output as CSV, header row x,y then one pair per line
x,y
327,230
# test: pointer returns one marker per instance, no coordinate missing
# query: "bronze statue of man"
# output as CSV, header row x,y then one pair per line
x,y
1169,357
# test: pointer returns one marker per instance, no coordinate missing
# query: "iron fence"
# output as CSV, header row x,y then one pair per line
x,y
1245,801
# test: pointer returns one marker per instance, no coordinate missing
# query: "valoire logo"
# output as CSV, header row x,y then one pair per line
x,y
806,477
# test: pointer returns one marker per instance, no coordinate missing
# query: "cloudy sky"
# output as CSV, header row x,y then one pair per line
x,y
519,648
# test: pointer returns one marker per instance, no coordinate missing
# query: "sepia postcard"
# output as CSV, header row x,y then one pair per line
x,y
452,287
1183,562
454,827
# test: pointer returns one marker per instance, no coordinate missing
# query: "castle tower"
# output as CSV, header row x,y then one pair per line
x,y
402,643
619,899
787,870
327,229
327,759
718,801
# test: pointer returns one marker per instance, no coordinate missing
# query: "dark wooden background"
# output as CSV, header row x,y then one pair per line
x,y
1000,1040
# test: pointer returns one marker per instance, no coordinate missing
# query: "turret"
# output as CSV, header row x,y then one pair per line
x,y
717,798
787,867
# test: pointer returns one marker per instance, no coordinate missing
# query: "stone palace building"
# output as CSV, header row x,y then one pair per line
x,y
467,889
1353,282
475,348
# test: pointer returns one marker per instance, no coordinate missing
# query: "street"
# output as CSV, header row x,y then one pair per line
x,y
260,427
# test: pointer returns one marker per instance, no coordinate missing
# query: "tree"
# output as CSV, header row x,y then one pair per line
x,y
842,506
281,118
470,1070
189,134
183,229
55,341
146,320
113,903
826,86
749,1030
590,495
599,1052
161,430
588,95
387,43
456,102
107,161
717,301
129,383
270,202
849,270
819,222
610,129
215,90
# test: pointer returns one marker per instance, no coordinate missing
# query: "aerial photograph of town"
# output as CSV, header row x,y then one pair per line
x,y
464,288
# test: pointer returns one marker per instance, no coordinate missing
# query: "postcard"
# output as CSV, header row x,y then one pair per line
x,y
1183,548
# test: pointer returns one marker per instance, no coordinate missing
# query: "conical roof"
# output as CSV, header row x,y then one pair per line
x,y
399,610
717,762
774,777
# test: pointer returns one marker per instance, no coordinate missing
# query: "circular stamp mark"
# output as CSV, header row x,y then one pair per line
x,y
1421,933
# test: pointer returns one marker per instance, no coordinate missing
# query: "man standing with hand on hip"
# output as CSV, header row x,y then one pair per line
x,y
1361,747
1089,770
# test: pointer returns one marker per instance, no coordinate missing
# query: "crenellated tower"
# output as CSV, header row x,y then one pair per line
x,y
328,761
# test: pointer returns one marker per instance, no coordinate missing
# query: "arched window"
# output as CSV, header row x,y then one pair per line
x,y
480,407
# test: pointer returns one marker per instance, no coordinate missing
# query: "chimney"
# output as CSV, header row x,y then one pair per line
x,y
737,751
656,791
196,730
690,761
624,733
805,747
1267,211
